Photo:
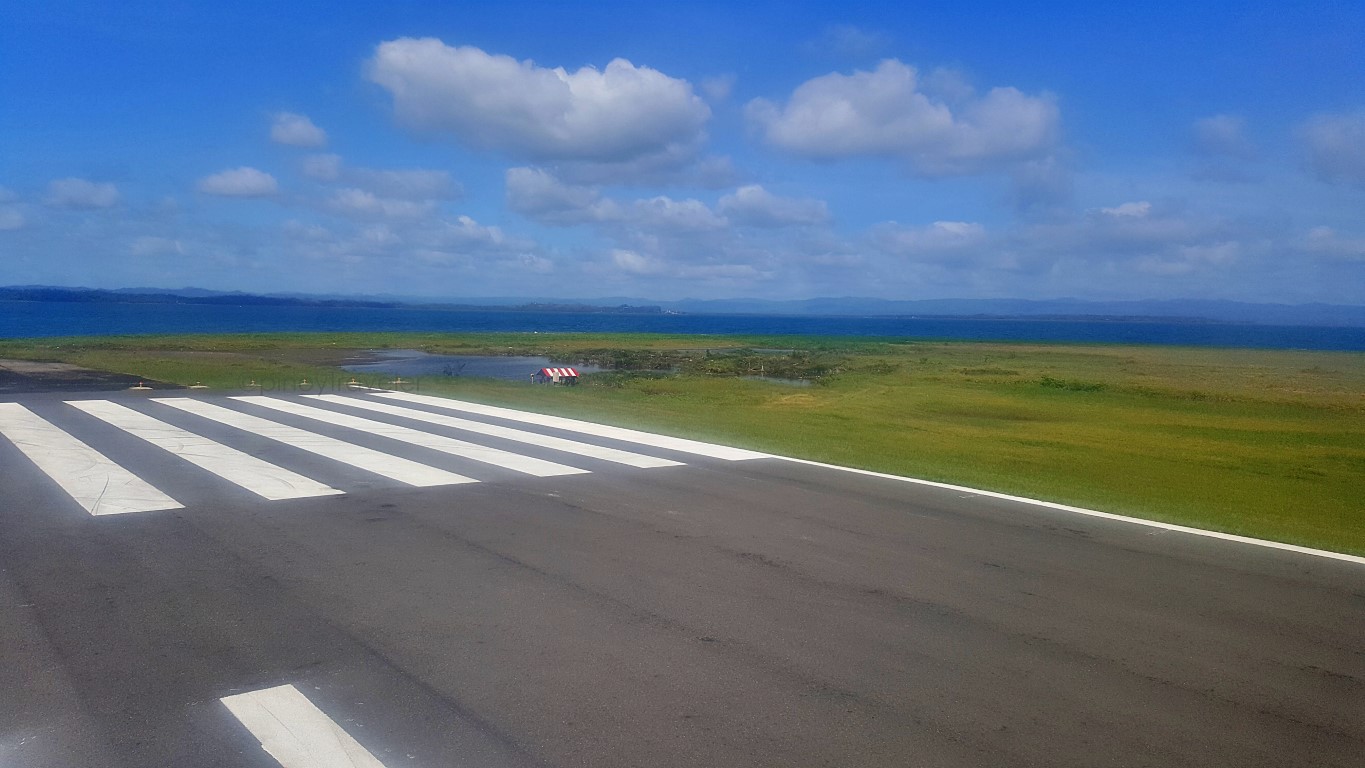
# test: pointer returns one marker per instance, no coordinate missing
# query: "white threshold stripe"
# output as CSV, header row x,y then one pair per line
x,y
533,418
98,484
295,732
506,433
472,451
260,477
1092,513
583,427
392,467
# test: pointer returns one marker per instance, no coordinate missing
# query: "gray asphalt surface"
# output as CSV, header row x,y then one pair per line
x,y
719,613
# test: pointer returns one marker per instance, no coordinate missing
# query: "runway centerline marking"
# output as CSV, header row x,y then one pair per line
x,y
667,442
295,732
378,462
98,484
506,433
481,453
256,475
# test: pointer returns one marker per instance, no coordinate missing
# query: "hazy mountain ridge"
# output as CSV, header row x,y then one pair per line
x,y
1189,310
44,293
1171,309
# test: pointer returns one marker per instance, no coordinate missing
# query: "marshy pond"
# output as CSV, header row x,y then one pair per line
x,y
414,362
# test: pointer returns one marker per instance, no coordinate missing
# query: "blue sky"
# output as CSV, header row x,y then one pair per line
x,y
777,150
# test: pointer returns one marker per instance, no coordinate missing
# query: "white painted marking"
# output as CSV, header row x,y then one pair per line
x,y
260,477
605,431
1094,513
295,732
393,467
506,433
583,427
95,482
505,459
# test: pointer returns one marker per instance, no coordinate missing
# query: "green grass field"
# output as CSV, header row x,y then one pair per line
x,y
1255,442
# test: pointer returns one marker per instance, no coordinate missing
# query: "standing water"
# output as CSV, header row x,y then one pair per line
x,y
414,362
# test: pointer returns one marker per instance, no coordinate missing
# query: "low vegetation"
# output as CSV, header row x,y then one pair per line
x,y
1256,442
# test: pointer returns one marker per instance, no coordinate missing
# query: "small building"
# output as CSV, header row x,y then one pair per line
x,y
566,376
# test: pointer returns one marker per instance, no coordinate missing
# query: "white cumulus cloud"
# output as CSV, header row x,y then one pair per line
x,y
1141,239
358,202
489,101
1139,225
406,184
11,216
537,194
466,232
239,182
1326,241
718,88
1226,153
636,263
846,40
322,167
1223,135
148,245
755,206
403,184
11,219
305,231
81,193
939,238
1137,210
633,263
666,215
1335,144
887,112
1189,259
296,130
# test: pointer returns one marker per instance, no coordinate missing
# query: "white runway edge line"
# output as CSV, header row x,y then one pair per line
x,y
472,451
260,477
88,476
603,430
1092,512
506,433
295,732
392,467
583,427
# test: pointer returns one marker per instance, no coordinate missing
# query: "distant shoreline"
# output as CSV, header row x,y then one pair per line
x,y
98,296
105,297
1013,310
49,319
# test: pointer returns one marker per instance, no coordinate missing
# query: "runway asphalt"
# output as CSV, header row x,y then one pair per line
x,y
370,580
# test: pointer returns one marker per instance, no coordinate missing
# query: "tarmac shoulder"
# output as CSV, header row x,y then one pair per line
x,y
34,376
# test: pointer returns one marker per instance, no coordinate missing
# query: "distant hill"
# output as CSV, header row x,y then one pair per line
x,y
191,296
203,296
1183,309
1192,310
1188,310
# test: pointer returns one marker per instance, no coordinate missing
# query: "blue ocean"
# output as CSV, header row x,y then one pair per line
x,y
23,319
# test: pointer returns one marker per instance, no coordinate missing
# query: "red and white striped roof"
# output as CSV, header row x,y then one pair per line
x,y
560,372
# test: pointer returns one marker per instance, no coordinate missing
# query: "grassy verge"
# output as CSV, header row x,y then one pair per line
x,y
1261,443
